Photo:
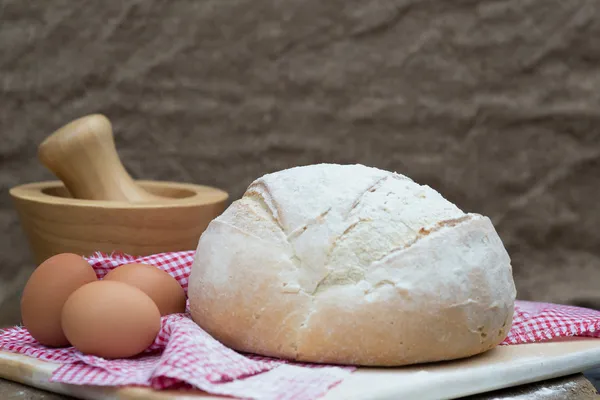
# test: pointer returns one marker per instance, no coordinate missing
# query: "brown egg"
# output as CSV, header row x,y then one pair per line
x,y
156,283
45,293
110,319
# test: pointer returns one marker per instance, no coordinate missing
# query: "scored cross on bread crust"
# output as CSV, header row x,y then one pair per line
x,y
351,265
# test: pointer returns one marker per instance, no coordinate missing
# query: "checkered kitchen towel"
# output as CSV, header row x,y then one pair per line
x,y
183,356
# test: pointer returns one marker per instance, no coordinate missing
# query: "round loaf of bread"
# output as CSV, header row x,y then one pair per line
x,y
349,264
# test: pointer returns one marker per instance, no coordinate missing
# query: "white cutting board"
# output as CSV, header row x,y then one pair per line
x,y
505,366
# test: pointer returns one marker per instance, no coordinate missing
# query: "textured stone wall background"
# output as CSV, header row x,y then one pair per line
x,y
496,104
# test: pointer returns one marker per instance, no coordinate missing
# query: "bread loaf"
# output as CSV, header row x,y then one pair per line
x,y
354,265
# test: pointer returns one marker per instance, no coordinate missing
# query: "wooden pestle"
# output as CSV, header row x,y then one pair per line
x,y
82,154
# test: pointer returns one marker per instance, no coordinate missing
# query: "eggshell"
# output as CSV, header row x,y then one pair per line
x,y
110,319
166,292
45,293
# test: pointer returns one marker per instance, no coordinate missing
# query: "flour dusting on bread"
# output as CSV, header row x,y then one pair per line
x,y
354,265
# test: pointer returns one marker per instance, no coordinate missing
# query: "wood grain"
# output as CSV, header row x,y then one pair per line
x,y
99,207
83,155
56,223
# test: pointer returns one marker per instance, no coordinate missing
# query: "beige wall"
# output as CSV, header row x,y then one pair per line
x,y
496,104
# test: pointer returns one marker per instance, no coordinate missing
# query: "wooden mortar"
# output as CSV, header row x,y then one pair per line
x,y
97,206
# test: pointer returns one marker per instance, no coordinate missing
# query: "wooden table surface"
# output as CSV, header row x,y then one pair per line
x,y
573,387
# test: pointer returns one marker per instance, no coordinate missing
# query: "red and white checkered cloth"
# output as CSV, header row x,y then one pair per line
x,y
183,356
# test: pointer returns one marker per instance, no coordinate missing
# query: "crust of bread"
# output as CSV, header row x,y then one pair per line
x,y
340,279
